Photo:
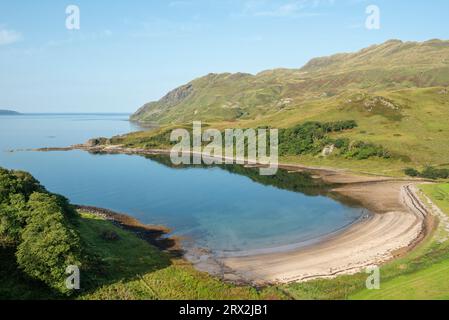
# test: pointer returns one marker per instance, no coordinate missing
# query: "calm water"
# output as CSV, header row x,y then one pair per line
x,y
223,209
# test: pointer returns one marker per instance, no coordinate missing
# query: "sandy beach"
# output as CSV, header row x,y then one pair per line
x,y
373,241
400,222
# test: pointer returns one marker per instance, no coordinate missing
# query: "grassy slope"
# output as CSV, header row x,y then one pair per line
x,y
417,131
389,66
419,135
425,283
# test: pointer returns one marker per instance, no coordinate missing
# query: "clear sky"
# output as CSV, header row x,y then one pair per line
x,y
129,52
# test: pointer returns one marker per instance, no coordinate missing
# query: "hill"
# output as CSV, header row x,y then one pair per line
x,y
8,113
397,93
391,66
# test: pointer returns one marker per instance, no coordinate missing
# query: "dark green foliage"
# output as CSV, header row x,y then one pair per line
x,y
312,137
15,189
361,150
48,245
18,183
412,172
302,139
342,143
428,173
339,126
434,174
38,225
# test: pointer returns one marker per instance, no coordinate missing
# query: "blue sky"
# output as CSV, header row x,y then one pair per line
x,y
129,52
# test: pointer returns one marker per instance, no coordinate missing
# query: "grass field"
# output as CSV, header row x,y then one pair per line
x,y
432,282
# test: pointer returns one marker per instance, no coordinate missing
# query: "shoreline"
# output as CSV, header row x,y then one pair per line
x,y
153,234
399,222
374,241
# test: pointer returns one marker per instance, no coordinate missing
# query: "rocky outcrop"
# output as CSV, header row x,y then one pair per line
x,y
96,142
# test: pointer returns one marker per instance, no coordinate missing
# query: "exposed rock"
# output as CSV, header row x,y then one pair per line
x,y
177,95
284,103
374,102
96,142
328,150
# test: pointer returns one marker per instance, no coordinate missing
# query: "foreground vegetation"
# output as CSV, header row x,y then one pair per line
x,y
39,228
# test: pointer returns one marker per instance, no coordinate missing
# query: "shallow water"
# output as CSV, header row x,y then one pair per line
x,y
224,209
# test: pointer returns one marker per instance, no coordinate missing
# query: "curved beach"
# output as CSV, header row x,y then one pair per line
x,y
372,241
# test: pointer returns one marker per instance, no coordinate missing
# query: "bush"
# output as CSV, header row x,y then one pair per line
x,y
412,172
428,173
363,150
310,137
434,174
341,143
38,225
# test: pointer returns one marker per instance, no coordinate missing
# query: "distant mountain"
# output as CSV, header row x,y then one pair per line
x,y
8,113
361,76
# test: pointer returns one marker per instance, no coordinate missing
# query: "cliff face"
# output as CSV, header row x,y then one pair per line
x,y
387,67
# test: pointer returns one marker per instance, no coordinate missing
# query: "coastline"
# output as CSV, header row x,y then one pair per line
x,y
400,221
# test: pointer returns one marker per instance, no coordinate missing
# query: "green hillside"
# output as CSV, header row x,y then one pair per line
x,y
391,66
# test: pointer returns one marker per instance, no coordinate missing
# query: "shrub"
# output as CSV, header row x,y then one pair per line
x,y
341,143
363,150
434,174
428,173
38,225
411,172
310,137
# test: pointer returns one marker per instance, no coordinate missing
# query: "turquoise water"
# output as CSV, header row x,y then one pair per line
x,y
224,209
